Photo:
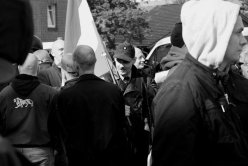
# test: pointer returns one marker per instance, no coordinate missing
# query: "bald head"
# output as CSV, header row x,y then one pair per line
x,y
43,56
30,66
85,59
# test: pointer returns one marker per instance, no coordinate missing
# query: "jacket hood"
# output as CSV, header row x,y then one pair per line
x,y
207,27
175,56
24,84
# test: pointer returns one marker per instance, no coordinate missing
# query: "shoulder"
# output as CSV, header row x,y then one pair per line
x,y
111,85
46,71
43,75
175,84
107,77
48,89
67,91
5,91
107,85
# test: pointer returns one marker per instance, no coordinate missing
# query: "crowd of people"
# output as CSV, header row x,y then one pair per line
x,y
54,111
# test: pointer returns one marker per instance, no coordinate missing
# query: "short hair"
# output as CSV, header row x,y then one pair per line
x,y
176,36
85,56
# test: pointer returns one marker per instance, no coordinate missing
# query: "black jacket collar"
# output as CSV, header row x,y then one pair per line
x,y
88,77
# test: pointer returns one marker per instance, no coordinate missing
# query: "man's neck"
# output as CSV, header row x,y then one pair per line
x,y
85,72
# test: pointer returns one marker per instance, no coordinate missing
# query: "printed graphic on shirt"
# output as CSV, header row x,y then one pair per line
x,y
23,103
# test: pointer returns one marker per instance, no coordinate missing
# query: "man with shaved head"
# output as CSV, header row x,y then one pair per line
x,y
24,109
92,114
85,59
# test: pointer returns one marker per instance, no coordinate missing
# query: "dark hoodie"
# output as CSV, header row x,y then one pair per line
x,y
174,57
24,84
24,109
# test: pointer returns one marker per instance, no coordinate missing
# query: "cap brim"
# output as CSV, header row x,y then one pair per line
x,y
123,57
7,71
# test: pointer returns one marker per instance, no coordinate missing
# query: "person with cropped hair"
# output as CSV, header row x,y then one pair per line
x,y
92,116
24,109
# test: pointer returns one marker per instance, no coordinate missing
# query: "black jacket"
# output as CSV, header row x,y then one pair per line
x,y
92,112
51,76
191,127
138,94
238,87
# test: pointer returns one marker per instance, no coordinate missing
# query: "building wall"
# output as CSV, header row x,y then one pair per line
x,y
40,19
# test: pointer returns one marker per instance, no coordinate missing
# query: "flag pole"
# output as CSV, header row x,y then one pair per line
x,y
110,70
106,58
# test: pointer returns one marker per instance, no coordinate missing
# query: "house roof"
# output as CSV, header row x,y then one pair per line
x,y
162,20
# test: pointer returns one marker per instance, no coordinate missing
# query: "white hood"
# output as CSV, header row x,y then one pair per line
x,y
207,27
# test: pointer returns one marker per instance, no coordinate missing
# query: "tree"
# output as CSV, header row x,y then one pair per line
x,y
119,18
244,7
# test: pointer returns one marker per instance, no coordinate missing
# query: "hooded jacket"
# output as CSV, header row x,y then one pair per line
x,y
174,57
193,123
194,120
24,109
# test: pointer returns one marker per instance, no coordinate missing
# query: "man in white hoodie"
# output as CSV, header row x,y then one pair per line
x,y
194,121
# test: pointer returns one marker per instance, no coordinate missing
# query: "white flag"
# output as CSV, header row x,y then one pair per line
x,y
80,29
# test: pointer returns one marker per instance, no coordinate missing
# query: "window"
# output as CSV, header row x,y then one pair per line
x,y
51,16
